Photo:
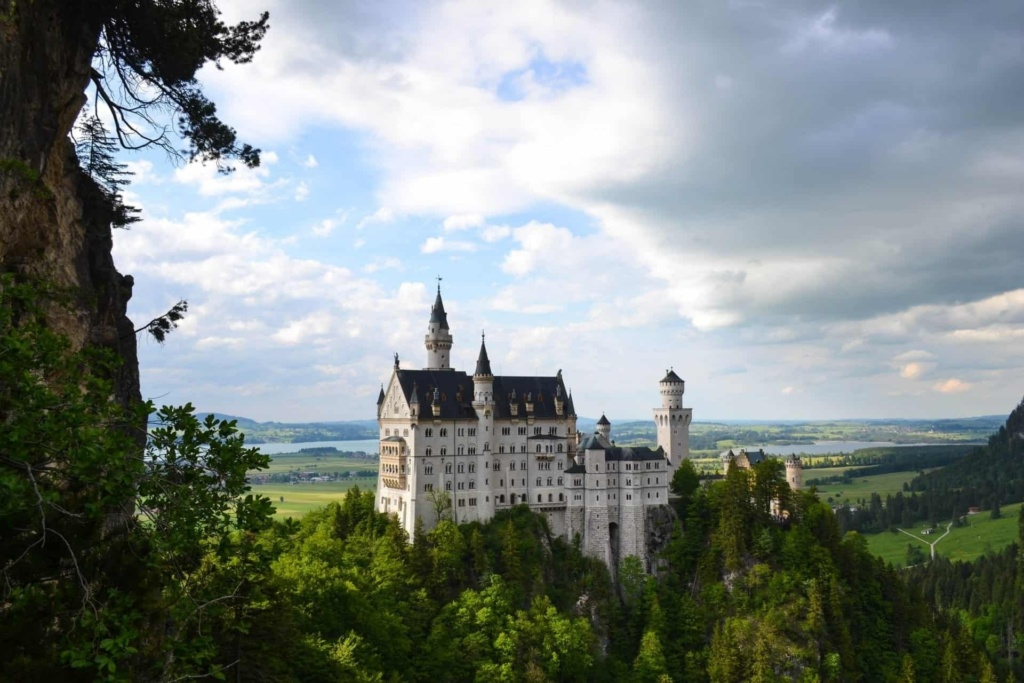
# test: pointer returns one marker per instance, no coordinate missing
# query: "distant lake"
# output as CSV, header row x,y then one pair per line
x,y
825,447
371,446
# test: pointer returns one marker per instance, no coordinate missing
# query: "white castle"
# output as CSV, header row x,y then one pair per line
x,y
482,443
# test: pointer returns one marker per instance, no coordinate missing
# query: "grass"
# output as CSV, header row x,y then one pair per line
x,y
860,488
306,462
301,498
983,535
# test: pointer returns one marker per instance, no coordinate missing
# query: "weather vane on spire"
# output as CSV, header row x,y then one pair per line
x,y
439,278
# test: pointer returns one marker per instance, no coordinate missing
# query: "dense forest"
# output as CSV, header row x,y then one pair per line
x,y
989,476
165,568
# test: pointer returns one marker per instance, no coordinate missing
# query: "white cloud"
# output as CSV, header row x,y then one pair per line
x,y
310,162
951,386
325,227
381,215
383,264
463,221
434,245
142,172
493,233
301,192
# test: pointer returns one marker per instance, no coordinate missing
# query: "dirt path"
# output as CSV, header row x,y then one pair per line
x,y
932,544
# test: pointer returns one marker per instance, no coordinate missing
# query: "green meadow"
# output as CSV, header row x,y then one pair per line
x,y
860,488
981,535
298,499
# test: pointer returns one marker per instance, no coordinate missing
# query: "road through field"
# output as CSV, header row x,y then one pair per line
x,y
932,544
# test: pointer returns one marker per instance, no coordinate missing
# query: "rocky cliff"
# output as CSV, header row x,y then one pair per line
x,y
55,224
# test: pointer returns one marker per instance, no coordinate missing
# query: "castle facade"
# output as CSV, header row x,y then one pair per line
x,y
466,446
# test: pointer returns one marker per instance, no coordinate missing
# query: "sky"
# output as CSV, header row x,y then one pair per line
x,y
808,210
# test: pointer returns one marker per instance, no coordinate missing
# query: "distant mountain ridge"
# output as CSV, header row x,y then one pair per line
x,y
704,435
301,432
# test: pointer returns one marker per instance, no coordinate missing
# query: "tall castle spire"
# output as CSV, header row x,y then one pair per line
x,y
483,363
438,340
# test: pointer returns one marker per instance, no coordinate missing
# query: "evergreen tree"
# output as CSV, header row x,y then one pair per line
x,y
96,151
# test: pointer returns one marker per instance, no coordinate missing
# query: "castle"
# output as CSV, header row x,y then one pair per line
x,y
467,446
745,461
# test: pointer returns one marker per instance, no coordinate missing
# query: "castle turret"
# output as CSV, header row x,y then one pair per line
x,y
604,427
438,340
673,420
483,379
794,472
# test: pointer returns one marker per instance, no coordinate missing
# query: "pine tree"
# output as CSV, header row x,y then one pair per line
x,y
96,149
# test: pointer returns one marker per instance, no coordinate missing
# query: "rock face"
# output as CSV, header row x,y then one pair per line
x,y
55,224
658,528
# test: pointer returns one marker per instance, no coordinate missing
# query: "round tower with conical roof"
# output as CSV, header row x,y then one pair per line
x,y
604,427
439,339
673,420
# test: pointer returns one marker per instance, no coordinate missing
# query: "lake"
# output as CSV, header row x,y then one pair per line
x,y
826,447
366,445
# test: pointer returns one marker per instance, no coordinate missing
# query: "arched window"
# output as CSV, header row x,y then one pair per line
x,y
559,497
538,481
559,481
539,499
447,486
538,448
549,481
560,448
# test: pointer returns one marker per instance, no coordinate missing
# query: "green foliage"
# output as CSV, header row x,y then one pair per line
x,y
26,175
96,149
173,568
103,544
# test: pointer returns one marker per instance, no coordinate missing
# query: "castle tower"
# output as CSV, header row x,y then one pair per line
x,y
794,472
483,379
604,427
438,340
673,420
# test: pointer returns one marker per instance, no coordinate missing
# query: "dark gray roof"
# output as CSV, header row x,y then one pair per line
x,y
483,363
612,452
437,314
543,390
576,469
603,420
670,377
754,457
455,392
380,398
632,453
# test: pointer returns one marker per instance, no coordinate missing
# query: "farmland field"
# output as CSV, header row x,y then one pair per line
x,y
860,488
982,535
302,497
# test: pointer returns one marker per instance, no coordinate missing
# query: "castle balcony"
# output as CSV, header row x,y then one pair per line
x,y
394,462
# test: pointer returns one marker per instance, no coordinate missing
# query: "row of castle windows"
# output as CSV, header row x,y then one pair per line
x,y
471,431
629,466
